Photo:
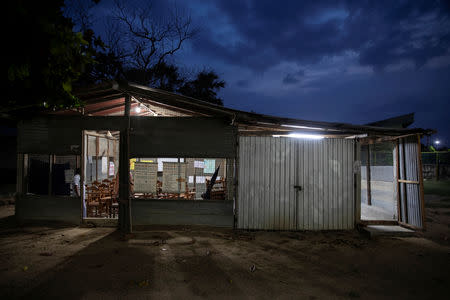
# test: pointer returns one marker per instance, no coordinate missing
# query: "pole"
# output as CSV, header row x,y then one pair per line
x,y
124,173
369,192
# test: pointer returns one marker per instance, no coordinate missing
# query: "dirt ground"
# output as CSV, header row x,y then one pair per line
x,y
199,262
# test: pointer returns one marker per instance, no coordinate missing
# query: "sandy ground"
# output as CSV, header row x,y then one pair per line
x,y
199,262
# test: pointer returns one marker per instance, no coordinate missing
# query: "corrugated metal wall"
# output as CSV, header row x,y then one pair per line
x,y
182,137
269,168
410,202
48,135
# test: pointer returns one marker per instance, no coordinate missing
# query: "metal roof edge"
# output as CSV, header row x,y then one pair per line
x,y
249,118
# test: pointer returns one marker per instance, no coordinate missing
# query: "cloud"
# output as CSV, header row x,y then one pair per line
x,y
293,78
262,34
243,83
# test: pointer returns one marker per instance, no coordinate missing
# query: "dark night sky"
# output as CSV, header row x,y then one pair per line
x,y
346,61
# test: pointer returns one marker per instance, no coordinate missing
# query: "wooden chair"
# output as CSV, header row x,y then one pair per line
x,y
92,201
189,195
114,204
105,198
219,190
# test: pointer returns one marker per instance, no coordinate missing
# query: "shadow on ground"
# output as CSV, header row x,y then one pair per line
x,y
204,263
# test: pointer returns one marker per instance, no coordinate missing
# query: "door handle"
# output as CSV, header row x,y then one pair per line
x,y
298,187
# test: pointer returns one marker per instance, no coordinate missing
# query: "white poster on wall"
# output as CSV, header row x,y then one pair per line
x,y
210,165
174,177
104,165
111,169
199,164
169,159
200,179
145,176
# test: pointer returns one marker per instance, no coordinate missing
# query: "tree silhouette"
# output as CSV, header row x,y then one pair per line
x,y
204,87
46,57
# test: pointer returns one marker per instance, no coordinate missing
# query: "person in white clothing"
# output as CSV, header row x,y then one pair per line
x,y
76,182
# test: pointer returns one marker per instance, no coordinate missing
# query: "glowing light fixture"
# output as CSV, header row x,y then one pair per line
x,y
302,136
138,109
306,136
437,142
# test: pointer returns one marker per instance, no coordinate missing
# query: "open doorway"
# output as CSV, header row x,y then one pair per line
x,y
378,186
100,188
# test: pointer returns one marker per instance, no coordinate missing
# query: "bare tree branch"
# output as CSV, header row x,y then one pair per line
x,y
146,41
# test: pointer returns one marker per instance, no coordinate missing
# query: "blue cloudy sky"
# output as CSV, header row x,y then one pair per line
x,y
346,61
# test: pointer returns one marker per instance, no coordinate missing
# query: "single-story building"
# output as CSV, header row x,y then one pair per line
x,y
136,156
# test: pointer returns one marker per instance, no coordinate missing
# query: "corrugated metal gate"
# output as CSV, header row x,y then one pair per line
x,y
271,170
411,206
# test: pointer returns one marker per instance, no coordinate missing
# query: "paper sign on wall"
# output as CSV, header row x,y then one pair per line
x,y
210,165
104,165
111,168
200,179
145,176
199,164
132,161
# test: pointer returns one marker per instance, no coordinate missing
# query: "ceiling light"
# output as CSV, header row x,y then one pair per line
x,y
301,136
305,136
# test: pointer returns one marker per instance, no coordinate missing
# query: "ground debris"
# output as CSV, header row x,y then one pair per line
x,y
45,254
143,283
243,237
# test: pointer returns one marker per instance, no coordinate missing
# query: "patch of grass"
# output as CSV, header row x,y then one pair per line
x,y
433,187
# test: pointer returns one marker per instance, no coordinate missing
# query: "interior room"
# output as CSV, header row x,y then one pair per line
x,y
181,178
101,165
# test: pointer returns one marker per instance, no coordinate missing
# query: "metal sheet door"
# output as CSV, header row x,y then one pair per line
x,y
410,182
290,184
325,174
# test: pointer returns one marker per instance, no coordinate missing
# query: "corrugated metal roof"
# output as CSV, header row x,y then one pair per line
x,y
249,123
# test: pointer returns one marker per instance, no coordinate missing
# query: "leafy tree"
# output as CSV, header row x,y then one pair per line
x,y
137,48
46,57
204,87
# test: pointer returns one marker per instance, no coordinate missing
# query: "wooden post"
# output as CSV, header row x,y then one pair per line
x,y
97,146
236,184
405,190
397,158
421,190
124,174
26,172
82,167
437,166
19,177
50,173
369,191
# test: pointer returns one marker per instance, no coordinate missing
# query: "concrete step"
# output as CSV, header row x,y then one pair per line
x,y
388,230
